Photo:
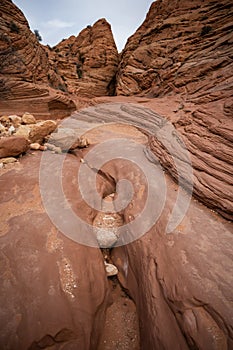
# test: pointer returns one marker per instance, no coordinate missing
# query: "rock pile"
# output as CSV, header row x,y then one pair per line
x,y
19,134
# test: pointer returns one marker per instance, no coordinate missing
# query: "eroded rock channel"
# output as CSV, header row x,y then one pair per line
x,y
174,290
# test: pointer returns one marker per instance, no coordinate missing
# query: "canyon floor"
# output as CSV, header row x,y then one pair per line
x,y
171,290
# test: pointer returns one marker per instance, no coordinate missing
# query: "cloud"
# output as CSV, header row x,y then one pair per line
x,y
58,24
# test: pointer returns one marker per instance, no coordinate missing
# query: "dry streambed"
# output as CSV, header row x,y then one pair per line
x,y
175,290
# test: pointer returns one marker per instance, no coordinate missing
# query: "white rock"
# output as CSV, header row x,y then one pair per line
x,y
110,269
35,146
11,130
1,165
106,237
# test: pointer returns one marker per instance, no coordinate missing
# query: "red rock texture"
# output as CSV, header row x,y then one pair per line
x,y
178,280
183,46
184,49
209,152
88,63
25,72
53,290
13,146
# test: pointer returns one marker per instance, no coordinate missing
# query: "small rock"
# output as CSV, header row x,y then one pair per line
x,y
42,129
2,128
83,142
68,139
53,148
110,269
28,118
5,121
43,148
106,237
15,120
23,130
1,165
8,160
35,146
11,130
13,146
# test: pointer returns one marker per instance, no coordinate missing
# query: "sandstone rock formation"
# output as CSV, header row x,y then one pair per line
x,y
182,47
53,290
185,49
13,146
25,72
181,282
87,63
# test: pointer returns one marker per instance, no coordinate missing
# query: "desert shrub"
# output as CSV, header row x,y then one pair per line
x,y
37,34
13,27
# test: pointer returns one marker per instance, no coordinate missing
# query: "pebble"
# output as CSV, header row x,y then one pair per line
x,y
1,165
35,146
11,130
53,148
106,237
8,160
110,269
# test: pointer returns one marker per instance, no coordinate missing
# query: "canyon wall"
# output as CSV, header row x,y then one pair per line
x,y
87,63
42,80
184,48
25,68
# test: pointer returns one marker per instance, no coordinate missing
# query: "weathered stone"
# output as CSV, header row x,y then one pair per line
x,y
5,121
42,129
28,81
13,146
110,269
23,130
2,129
44,275
8,160
53,148
11,130
35,146
88,62
67,139
15,120
28,118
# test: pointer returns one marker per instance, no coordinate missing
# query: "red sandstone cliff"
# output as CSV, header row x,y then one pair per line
x,y
185,49
88,63
36,78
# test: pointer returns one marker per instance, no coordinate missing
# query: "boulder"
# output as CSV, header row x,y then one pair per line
x,y
66,139
28,118
23,130
13,146
42,129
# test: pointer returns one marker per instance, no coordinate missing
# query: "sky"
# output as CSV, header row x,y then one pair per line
x,y
59,19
